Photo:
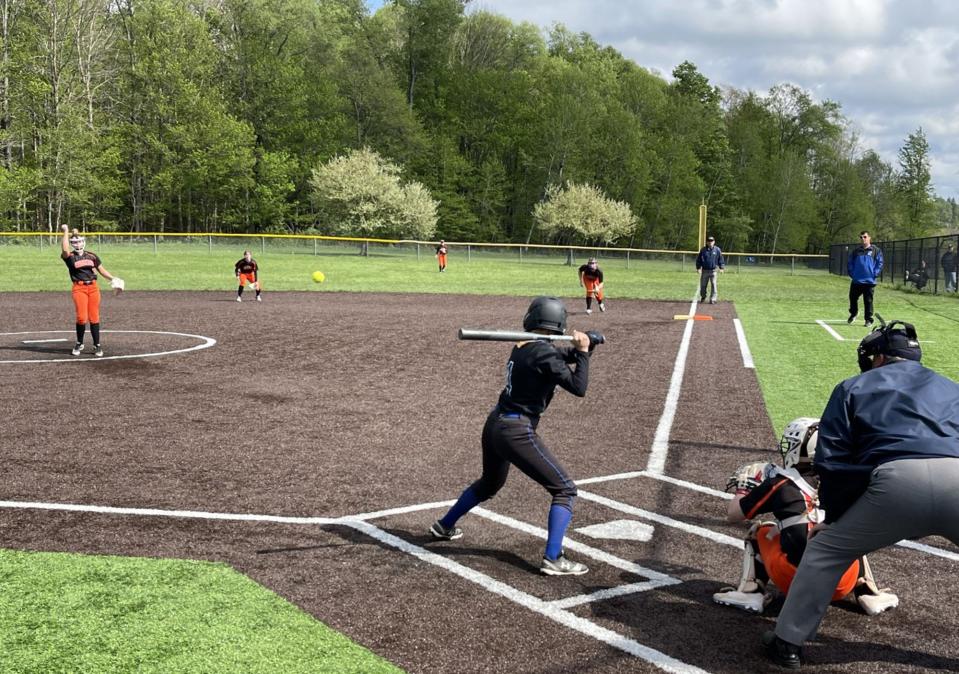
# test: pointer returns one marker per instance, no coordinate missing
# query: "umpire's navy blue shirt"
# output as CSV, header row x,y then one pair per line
x,y
710,258
900,410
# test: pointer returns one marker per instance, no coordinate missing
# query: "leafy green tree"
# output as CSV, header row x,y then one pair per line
x,y
583,214
361,194
915,184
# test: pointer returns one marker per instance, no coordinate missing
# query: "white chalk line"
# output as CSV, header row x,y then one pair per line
x,y
43,341
657,453
828,328
206,343
551,610
743,345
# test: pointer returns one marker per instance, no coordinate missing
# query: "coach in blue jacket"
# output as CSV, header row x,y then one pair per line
x,y
888,465
864,266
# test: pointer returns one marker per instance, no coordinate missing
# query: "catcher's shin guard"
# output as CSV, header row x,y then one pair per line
x,y
750,594
870,598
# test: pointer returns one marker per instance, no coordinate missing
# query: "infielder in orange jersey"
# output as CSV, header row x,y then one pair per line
x,y
441,255
591,277
247,272
84,266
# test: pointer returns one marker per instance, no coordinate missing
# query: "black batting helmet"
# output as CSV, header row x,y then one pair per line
x,y
546,313
889,340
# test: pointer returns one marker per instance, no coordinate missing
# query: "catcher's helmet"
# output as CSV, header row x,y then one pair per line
x,y
798,444
889,340
546,313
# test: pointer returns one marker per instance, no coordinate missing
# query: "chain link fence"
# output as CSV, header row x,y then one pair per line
x,y
924,265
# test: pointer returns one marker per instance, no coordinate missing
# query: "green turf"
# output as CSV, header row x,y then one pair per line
x,y
137,614
73,613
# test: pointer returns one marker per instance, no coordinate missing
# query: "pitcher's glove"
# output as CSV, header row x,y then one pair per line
x,y
117,284
595,338
747,477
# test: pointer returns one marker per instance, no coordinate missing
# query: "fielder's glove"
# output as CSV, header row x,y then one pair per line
x,y
747,477
595,338
117,284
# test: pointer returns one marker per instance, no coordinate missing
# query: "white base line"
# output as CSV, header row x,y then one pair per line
x,y
657,453
832,332
41,341
535,604
743,346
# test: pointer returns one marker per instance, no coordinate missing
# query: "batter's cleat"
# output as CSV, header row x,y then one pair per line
x,y
754,602
98,351
589,311
602,307
561,566
239,299
77,348
781,652
442,533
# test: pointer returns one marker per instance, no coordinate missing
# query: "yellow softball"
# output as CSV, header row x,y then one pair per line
x,y
318,277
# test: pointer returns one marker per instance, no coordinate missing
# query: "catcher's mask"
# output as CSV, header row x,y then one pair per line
x,y
889,340
798,443
77,242
546,313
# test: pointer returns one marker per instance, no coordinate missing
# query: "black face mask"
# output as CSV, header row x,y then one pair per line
x,y
889,340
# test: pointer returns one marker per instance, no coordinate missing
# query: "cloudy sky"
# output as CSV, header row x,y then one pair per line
x,y
893,65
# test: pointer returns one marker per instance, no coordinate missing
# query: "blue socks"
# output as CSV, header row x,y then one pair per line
x,y
466,502
559,518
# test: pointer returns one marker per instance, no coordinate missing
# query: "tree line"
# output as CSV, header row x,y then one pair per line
x,y
240,116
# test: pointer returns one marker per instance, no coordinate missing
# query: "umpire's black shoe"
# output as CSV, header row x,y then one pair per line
x,y
851,318
869,322
781,652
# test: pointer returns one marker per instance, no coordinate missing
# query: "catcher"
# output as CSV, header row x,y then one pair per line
x,y
778,546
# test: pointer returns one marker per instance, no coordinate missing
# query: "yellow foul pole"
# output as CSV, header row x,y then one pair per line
x,y
702,224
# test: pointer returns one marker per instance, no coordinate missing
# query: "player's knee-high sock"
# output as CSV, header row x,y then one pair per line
x,y
257,292
589,301
239,291
466,502
95,332
559,518
81,328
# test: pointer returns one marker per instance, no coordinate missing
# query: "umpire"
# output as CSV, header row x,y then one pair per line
x,y
888,461
534,370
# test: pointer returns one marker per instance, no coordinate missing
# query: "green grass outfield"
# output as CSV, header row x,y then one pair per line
x,y
164,607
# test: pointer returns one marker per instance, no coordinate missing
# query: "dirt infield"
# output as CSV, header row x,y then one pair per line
x,y
365,407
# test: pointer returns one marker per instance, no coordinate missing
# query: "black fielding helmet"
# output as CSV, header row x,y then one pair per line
x,y
546,313
889,340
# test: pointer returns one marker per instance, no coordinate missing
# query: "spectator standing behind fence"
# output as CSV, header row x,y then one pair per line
x,y
948,262
918,276
709,261
864,266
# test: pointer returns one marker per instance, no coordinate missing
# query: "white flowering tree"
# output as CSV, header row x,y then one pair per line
x,y
583,214
362,194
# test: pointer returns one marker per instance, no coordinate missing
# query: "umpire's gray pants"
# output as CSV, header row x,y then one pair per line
x,y
909,498
707,276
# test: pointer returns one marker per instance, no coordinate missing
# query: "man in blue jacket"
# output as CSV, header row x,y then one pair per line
x,y
864,266
708,262
888,465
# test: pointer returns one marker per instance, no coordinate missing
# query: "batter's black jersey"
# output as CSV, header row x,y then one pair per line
x,y
593,274
533,372
83,266
781,497
247,267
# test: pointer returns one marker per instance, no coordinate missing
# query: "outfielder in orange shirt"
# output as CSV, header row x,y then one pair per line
x,y
247,272
591,278
84,266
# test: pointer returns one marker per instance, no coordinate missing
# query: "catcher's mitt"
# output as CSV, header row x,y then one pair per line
x,y
747,477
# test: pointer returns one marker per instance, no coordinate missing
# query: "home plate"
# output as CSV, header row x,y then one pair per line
x,y
619,530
